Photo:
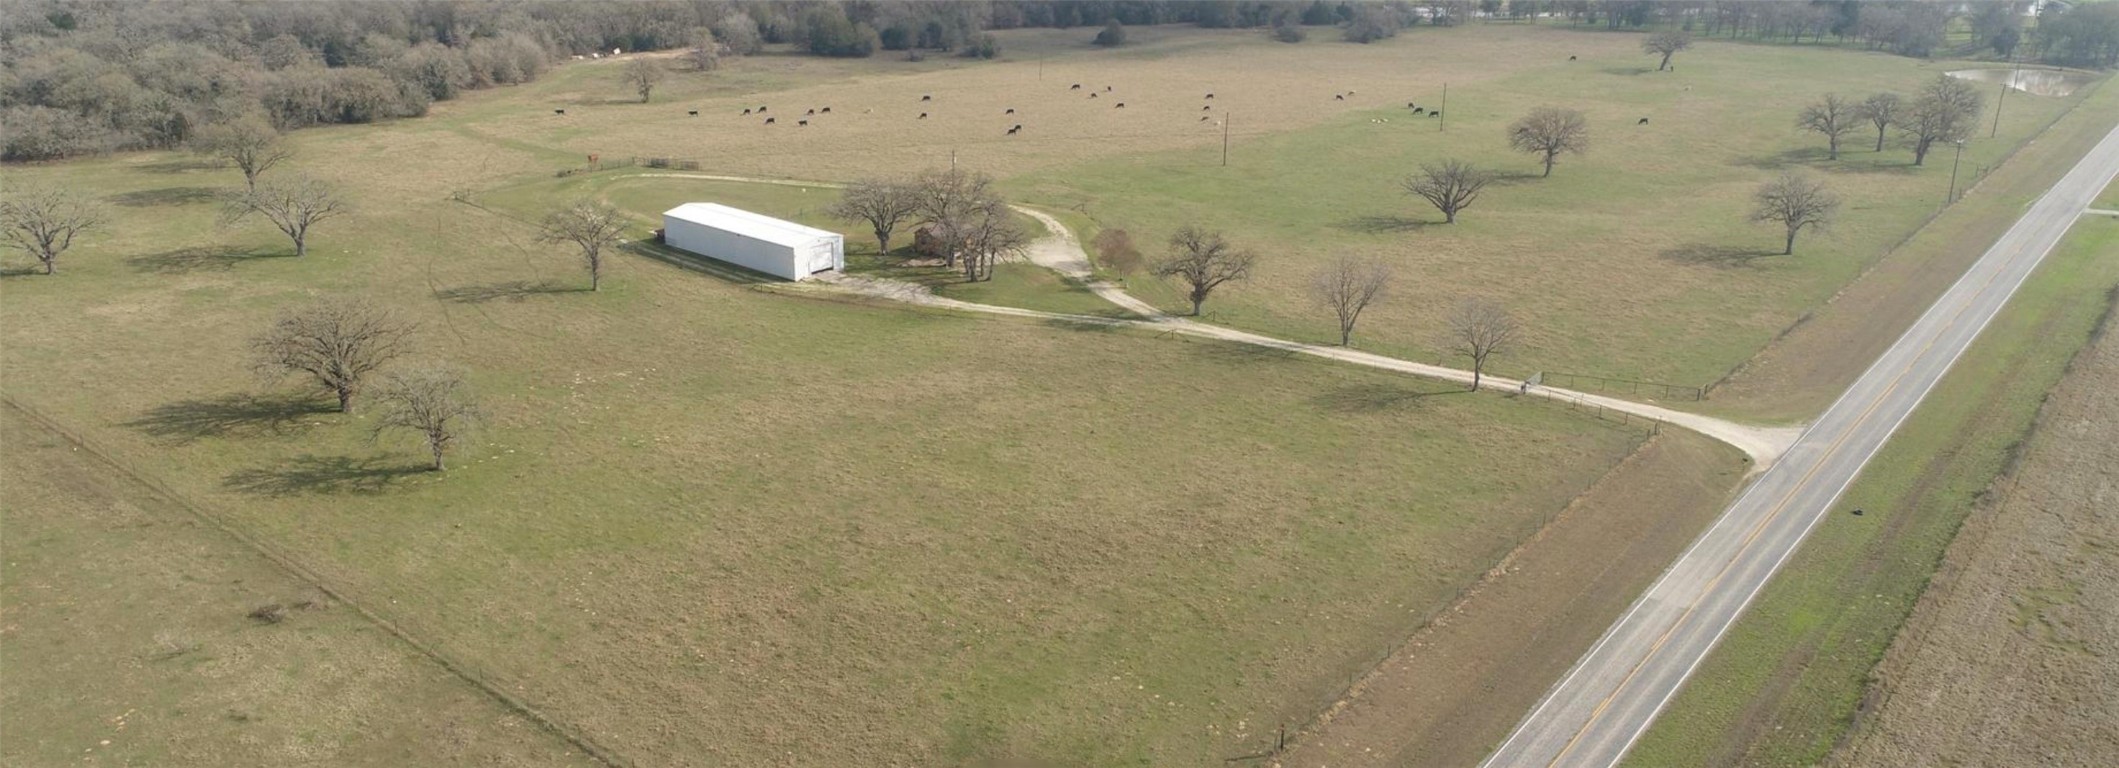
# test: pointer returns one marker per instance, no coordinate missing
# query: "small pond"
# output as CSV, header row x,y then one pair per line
x,y
2037,82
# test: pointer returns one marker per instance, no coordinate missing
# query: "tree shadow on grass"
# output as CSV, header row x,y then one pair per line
x,y
149,198
1630,71
310,474
197,259
233,415
1377,397
1513,178
1718,255
513,290
180,165
20,271
1384,225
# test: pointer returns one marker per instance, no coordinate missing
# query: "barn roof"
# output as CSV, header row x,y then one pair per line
x,y
752,225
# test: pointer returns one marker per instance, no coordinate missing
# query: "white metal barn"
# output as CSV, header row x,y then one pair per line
x,y
751,240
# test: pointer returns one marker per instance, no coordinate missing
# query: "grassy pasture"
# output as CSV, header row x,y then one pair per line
x,y
127,643
709,524
1634,259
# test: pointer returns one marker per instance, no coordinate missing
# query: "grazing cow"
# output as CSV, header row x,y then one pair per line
x,y
559,111
1011,110
1204,118
1410,105
694,113
1121,105
761,110
1644,121
1436,113
1210,97
1012,131
1570,58
1092,94
810,112
923,115
1339,96
1419,110
927,97
769,120
1107,89
746,111
801,123
826,110
1077,87
1207,107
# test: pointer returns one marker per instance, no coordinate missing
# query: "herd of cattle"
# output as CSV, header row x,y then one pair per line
x,y
1017,128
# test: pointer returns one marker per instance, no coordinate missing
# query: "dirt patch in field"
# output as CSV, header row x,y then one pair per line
x,y
1457,687
2012,655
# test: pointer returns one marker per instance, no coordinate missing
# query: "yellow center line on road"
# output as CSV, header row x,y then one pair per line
x,y
1752,537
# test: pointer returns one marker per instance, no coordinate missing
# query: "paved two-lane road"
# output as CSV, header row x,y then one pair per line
x,y
1597,711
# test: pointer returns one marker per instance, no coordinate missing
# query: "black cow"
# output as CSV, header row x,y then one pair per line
x,y
1092,94
761,110
926,97
1012,131
769,120
1570,58
1339,96
1204,118
1436,113
1644,121
1107,89
694,113
1210,97
1121,105
559,111
826,110
923,115
746,111
1077,87
1011,110
801,123
1419,110
1207,107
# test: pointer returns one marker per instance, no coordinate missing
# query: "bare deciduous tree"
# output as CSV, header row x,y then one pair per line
x,y
1831,116
705,53
1666,43
1549,131
948,201
590,227
1204,260
1794,201
433,402
1451,186
293,205
1881,110
644,74
1349,285
1481,329
336,343
44,222
986,235
249,143
882,203
1946,110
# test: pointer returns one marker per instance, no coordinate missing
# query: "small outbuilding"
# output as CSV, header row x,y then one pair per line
x,y
752,240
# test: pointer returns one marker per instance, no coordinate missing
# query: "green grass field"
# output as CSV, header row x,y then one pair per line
x,y
856,533
712,523
1632,260
1785,684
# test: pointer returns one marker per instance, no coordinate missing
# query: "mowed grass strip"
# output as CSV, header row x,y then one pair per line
x,y
1634,260
1788,680
708,524
130,641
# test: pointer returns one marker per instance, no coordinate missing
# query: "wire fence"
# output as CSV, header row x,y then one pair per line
x,y
1593,383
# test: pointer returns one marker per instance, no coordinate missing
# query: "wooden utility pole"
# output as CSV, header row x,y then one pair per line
x,y
1442,122
1225,139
